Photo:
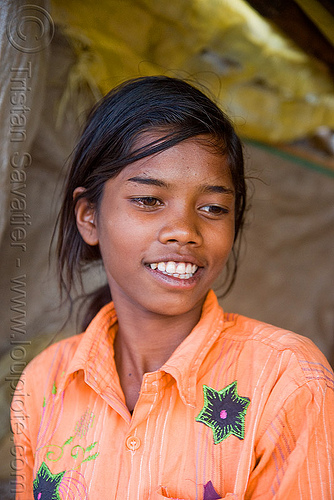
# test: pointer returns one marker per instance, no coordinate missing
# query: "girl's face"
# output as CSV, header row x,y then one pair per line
x,y
165,228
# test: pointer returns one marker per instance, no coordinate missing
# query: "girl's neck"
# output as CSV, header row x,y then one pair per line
x,y
151,339
144,342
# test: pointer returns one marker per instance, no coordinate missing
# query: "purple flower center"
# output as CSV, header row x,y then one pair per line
x,y
223,414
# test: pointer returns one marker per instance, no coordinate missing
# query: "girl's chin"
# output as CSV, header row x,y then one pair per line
x,y
176,306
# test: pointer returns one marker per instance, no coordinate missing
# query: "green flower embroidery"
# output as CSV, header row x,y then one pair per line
x,y
224,411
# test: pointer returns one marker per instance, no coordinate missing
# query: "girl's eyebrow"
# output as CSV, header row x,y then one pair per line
x,y
205,188
148,180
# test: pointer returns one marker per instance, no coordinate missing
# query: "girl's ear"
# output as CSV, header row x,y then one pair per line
x,y
85,214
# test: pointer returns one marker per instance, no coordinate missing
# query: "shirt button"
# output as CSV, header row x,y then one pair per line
x,y
133,443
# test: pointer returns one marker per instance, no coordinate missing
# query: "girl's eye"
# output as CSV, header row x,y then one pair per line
x,y
214,210
147,201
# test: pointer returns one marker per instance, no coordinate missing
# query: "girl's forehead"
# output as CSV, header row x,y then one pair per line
x,y
192,160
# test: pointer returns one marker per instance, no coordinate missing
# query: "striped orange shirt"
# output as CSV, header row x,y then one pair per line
x,y
241,410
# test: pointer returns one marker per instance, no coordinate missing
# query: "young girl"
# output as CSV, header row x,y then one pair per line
x,y
164,395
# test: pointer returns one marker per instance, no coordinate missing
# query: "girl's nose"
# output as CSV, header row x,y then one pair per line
x,y
180,230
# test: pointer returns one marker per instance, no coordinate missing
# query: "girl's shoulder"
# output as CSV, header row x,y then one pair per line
x,y
48,369
59,353
58,356
244,329
44,377
273,346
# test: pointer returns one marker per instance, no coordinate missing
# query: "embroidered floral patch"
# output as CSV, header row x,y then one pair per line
x,y
64,485
224,411
46,484
210,493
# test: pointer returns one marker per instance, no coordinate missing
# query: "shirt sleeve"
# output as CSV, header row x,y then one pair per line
x,y
294,456
20,420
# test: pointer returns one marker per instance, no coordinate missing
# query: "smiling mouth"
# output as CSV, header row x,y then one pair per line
x,y
181,270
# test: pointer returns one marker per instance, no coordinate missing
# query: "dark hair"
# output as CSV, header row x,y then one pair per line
x,y
174,108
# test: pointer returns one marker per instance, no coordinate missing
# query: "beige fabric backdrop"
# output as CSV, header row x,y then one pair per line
x,y
286,273
28,289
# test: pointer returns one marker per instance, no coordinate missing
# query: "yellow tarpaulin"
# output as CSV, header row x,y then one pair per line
x,y
271,89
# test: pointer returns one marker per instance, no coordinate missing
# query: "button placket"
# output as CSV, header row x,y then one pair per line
x,y
148,393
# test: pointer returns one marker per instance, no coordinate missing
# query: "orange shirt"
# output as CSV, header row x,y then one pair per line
x,y
241,410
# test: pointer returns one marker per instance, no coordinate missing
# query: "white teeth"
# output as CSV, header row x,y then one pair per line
x,y
189,268
162,266
180,270
170,268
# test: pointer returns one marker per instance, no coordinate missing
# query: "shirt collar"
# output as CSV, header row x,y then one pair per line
x,y
95,353
186,360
